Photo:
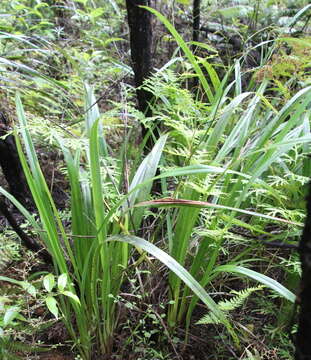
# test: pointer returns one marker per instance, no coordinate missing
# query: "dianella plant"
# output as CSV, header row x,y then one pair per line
x,y
94,266
231,146
93,254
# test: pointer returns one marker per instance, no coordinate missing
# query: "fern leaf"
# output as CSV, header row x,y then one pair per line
x,y
231,304
238,299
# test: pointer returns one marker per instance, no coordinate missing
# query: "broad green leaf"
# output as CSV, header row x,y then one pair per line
x,y
72,296
29,288
49,282
51,303
10,314
62,282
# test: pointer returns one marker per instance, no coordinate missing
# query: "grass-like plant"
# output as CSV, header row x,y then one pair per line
x,y
94,266
94,254
238,139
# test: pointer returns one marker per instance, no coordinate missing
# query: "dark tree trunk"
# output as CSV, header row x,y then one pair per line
x,y
140,27
10,164
13,173
196,12
27,241
303,343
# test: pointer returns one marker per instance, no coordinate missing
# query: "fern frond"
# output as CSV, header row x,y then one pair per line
x,y
209,318
9,349
238,299
231,304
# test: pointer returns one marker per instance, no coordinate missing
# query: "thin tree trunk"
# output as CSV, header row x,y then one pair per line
x,y
10,164
303,343
140,27
27,241
196,12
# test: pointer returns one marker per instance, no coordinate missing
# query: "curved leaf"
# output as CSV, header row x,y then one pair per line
x,y
182,273
273,284
168,202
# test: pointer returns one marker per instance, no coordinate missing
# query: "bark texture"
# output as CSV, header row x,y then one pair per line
x,y
10,164
13,173
140,27
27,241
196,12
303,343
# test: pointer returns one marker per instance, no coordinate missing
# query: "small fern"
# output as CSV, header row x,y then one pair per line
x,y
230,304
11,350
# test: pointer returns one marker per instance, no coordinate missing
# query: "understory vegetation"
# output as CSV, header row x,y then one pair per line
x,y
186,249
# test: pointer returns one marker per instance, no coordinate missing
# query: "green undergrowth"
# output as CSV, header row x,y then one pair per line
x,y
164,246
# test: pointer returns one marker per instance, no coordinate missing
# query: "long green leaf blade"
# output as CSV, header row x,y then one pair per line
x,y
181,272
273,284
